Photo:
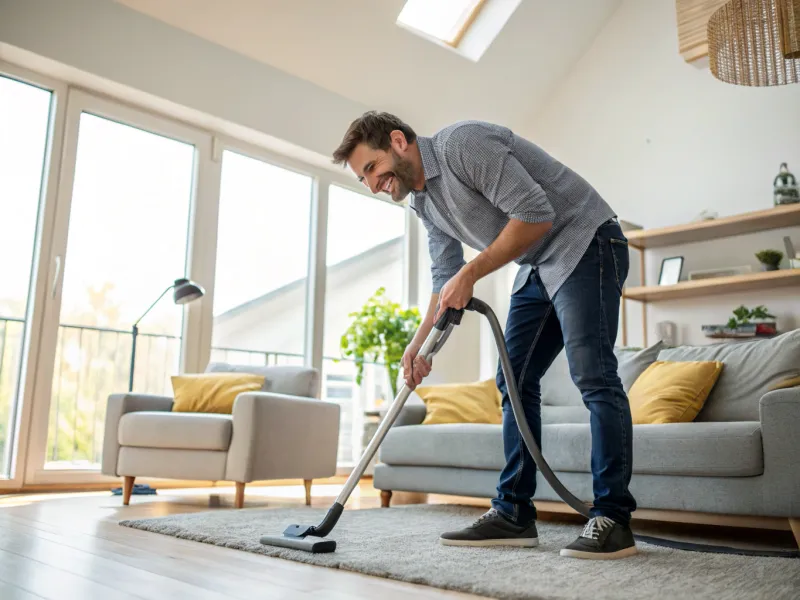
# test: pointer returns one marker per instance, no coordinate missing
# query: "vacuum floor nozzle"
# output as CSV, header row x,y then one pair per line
x,y
306,544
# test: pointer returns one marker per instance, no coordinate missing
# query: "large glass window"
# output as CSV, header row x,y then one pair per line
x,y
364,254
262,263
24,119
127,241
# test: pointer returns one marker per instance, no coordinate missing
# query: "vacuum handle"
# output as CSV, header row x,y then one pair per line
x,y
450,316
453,315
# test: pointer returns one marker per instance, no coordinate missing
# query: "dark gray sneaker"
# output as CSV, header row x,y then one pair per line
x,y
492,529
602,539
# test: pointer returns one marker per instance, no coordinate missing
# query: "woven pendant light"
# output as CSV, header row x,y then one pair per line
x,y
755,42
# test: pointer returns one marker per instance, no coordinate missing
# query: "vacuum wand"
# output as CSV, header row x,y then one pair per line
x,y
309,537
296,536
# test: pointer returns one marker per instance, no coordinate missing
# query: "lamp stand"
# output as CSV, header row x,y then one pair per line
x,y
135,332
185,291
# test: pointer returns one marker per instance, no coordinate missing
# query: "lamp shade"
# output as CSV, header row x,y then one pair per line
x,y
186,290
755,42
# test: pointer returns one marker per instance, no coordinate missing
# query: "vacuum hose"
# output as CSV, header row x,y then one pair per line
x,y
519,412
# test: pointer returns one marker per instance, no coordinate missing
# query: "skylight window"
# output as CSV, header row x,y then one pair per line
x,y
445,20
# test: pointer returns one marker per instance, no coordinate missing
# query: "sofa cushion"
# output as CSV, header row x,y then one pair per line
x,y
672,392
697,449
466,445
281,379
565,414
473,402
558,388
184,431
212,392
751,369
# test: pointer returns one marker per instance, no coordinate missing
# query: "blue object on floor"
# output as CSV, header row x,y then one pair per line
x,y
139,489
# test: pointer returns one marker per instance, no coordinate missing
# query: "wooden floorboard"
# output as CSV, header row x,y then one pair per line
x,y
69,546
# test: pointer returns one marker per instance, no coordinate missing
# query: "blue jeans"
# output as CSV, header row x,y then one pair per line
x,y
583,318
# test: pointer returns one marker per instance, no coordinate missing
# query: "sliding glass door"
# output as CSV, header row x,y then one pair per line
x,y
25,114
103,207
127,194
364,260
261,273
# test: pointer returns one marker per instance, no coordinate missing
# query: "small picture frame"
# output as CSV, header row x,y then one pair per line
x,y
671,269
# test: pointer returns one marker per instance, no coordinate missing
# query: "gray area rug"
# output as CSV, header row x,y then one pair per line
x,y
402,543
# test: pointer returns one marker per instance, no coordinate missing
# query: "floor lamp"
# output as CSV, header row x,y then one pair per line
x,y
185,292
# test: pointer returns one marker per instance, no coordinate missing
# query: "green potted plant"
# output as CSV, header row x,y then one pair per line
x,y
751,322
770,259
379,333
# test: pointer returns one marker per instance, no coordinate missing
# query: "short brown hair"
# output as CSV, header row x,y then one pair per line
x,y
374,128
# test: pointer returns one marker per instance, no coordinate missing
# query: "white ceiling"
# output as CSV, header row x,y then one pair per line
x,y
354,48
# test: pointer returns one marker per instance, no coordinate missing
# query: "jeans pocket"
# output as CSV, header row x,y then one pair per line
x,y
621,258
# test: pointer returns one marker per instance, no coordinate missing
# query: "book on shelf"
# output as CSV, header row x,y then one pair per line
x,y
750,330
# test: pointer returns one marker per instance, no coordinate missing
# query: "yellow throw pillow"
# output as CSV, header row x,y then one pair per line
x,y
477,402
785,384
212,392
672,392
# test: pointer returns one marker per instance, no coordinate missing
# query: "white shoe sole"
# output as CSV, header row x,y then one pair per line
x,y
519,542
624,553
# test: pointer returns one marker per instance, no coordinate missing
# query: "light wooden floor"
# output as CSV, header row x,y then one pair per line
x,y
69,547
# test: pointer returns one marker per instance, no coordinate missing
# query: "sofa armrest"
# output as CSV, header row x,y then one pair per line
x,y
413,411
117,406
779,412
278,436
410,415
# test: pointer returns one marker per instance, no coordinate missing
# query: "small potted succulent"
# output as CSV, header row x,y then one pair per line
x,y
770,259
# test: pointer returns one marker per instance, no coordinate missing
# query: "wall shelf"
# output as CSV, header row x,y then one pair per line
x,y
718,285
700,231
761,220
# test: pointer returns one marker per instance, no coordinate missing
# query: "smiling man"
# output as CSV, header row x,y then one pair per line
x,y
480,184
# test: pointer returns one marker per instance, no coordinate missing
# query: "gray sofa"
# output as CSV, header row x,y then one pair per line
x,y
741,455
262,439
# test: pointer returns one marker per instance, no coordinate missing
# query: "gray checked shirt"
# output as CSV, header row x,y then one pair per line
x,y
478,176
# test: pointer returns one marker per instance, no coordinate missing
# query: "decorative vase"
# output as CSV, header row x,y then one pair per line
x,y
767,267
785,186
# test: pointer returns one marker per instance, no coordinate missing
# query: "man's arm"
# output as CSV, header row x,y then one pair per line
x,y
427,322
515,238
482,156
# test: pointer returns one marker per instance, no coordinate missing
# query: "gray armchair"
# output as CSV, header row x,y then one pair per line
x,y
283,431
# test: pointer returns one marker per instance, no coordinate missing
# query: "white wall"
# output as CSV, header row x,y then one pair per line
x,y
663,140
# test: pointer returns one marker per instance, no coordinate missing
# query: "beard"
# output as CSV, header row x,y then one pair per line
x,y
403,173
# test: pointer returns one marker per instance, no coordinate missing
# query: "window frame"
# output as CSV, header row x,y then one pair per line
x,y
455,41
32,421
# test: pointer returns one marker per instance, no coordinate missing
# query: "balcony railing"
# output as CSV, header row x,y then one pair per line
x,y
93,362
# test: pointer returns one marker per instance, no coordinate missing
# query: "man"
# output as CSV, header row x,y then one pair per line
x,y
480,184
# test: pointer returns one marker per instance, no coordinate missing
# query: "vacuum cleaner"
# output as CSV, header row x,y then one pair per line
x,y
312,538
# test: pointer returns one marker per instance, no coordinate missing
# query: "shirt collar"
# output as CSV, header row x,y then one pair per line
x,y
430,166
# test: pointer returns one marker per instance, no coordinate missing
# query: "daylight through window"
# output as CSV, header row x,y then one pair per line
x,y
445,20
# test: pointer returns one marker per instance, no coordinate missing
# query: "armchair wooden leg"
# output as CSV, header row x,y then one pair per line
x,y
795,525
127,489
239,494
307,485
386,498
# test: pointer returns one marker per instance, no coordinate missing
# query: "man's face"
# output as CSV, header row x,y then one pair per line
x,y
388,171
